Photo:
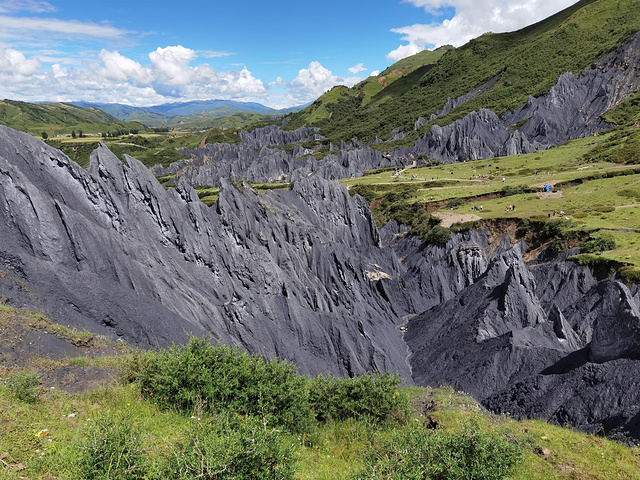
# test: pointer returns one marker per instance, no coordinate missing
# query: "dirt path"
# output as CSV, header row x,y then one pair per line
x,y
449,218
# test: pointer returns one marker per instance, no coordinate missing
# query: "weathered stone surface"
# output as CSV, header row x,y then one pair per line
x,y
572,109
256,160
284,274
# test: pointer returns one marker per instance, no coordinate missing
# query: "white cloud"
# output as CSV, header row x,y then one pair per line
x,y
279,81
115,78
357,68
375,73
472,18
213,53
35,6
69,29
171,64
123,69
313,81
242,84
14,62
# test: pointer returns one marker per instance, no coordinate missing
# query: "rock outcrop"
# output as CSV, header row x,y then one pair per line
x,y
293,274
256,159
572,109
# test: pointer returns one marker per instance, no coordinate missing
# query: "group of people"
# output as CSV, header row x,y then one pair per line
x,y
510,208
474,208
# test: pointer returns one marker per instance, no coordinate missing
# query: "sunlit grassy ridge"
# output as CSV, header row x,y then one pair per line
x,y
125,430
60,119
528,62
595,181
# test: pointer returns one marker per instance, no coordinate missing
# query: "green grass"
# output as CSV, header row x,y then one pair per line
x,y
600,197
528,61
48,436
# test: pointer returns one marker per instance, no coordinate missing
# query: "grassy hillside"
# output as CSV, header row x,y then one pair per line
x,y
60,119
595,181
194,115
144,424
528,61
340,101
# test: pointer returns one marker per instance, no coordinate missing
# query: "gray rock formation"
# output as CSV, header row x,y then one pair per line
x,y
572,109
256,160
293,274
275,136
544,341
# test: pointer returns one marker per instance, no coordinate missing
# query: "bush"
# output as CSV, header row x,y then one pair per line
x,y
456,202
428,228
112,450
225,379
597,244
24,386
630,274
417,453
365,191
517,190
375,396
243,448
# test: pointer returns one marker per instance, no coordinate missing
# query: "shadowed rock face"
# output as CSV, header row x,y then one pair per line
x,y
284,274
543,341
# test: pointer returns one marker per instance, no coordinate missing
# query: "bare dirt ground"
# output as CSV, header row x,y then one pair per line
x,y
30,342
544,195
449,218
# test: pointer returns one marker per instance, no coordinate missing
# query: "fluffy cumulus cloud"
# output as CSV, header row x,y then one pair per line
x,y
471,19
171,65
313,81
115,78
14,62
122,69
357,68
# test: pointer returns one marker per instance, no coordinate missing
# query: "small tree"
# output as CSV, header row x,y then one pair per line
x,y
45,135
73,134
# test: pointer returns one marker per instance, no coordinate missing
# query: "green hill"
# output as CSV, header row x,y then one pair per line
x,y
60,119
528,62
341,102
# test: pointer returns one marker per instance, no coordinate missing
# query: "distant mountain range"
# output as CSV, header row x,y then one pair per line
x,y
177,113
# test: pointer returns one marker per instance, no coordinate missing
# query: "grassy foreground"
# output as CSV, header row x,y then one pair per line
x,y
147,424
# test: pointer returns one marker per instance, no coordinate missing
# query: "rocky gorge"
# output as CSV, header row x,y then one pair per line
x,y
304,274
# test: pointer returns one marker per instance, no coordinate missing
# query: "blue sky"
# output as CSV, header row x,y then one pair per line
x,y
280,53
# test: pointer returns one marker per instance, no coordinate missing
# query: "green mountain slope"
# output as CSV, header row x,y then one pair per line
x,y
342,102
59,119
528,62
190,115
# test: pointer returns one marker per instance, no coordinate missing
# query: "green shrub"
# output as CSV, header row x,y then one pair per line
x,y
24,386
605,209
456,202
225,379
523,228
517,190
417,453
375,396
111,449
596,245
240,448
464,226
630,274
365,191
428,228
